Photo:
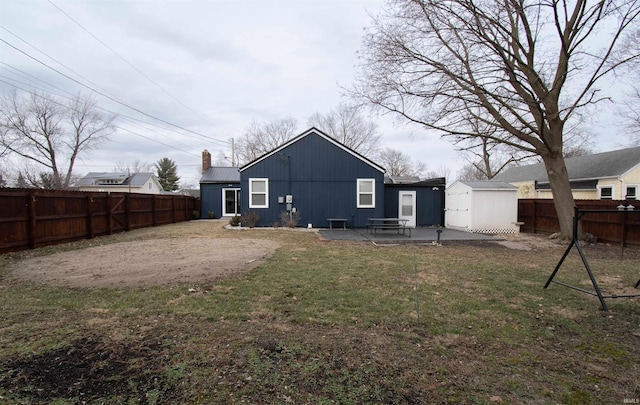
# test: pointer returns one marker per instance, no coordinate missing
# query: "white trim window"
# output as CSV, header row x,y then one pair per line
x,y
259,193
605,192
366,193
230,201
631,192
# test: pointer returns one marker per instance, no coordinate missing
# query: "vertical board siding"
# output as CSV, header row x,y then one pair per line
x,y
429,203
321,177
34,218
539,215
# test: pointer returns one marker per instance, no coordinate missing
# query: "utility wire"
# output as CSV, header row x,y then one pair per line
x,y
55,60
116,126
110,97
121,115
128,63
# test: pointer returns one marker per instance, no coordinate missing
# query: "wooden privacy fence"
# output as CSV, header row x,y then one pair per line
x,y
33,218
539,215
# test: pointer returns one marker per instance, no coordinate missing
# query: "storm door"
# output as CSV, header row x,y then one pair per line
x,y
230,201
407,207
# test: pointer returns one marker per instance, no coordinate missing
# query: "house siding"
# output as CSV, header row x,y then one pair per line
x,y
429,203
211,200
321,177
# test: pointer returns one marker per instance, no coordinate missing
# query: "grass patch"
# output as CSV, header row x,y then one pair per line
x,y
330,322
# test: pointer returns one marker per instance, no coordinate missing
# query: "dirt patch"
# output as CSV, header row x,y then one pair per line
x,y
145,263
528,241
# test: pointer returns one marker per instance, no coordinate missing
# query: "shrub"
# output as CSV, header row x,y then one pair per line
x,y
250,218
195,214
234,221
290,220
211,214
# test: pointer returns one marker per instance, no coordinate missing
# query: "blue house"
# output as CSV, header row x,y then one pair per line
x,y
219,190
420,201
317,177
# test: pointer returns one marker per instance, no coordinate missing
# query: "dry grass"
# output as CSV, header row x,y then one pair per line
x,y
330,322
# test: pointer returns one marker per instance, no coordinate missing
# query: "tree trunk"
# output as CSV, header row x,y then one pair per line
x,y
562,195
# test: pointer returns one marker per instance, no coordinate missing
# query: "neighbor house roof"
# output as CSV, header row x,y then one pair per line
x,y
321,134
221,174
388,179
103,179
597,166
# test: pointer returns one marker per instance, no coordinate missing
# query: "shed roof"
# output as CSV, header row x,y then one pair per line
x,y
488,185
221,174
322,135
597,166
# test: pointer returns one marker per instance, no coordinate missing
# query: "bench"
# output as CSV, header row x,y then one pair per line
x,y
518,225
337,220
382,224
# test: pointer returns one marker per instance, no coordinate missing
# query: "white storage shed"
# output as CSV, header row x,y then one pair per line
x,y
482,207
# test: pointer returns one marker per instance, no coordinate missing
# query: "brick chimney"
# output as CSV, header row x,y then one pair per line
x,y
206,160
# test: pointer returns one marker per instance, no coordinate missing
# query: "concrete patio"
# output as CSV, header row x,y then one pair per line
x,y
418,235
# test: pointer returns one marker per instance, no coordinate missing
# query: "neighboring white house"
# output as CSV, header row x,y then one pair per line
x,y
482,207
144,183
611,175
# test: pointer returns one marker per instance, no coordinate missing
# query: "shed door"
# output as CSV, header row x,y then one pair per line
x,y
407,207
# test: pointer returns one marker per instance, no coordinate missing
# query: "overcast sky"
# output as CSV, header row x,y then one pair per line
x,y
210,67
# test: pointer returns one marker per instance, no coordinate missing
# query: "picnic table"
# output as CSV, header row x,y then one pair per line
x,y
397,224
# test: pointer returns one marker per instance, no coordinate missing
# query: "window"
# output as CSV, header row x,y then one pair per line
x,y
366,193
606,193
632,193
258,193
230,201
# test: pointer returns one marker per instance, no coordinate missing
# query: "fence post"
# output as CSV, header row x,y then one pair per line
x,y
173,209
109,214
89,217
535,211
153,210
127,213
31,204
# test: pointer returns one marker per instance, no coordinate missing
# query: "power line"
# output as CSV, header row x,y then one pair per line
x,y
116,126
128,63
110,97
55,60
70,94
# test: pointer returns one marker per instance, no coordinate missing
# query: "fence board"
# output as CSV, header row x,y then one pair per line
x,y
539,215
32,218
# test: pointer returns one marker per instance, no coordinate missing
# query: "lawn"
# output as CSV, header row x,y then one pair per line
x,y
327,322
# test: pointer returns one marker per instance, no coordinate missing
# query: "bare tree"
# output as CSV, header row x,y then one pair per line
x,y
631,113
399,164
347,125
442,171
489,158
259,139
44,131
522,67
136,167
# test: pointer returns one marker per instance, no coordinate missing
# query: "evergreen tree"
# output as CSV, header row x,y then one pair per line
x,y
21,182
167,173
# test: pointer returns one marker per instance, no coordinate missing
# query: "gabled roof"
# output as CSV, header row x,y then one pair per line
x,y
590,167
106,179
221,174
322,135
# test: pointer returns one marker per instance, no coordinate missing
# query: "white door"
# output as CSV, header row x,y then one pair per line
x,y
407,207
